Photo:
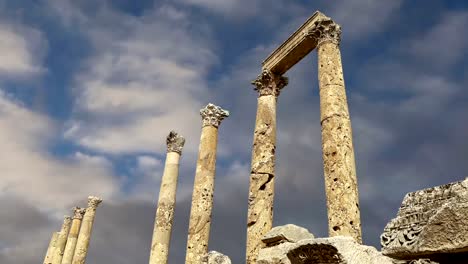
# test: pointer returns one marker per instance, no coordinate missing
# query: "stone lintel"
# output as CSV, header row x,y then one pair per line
x,y
296,47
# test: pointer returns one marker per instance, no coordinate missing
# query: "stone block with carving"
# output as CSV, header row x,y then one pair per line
x,y
429,221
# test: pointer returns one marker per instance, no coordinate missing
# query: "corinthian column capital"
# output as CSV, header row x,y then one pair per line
x,y
175,142
326,30
94,201
268,83
212,115
78,212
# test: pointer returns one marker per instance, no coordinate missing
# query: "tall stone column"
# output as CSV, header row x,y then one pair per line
x,y
82,244
262,174
337,139
166,202
61,240
73,235
202,198
50,250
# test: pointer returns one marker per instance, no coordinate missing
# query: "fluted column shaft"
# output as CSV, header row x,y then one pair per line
x,y
166,202
202,198
73,236
262,175
50,250
337,139
61,241
84,235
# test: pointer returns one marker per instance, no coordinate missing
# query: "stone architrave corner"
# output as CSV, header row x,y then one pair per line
x,y
212,115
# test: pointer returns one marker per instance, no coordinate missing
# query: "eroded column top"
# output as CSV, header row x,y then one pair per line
x,y
66,220
175,142
268,83
94,201
212,115
326,30
78,212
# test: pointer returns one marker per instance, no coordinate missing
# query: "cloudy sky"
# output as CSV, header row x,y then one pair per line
x,y
90,89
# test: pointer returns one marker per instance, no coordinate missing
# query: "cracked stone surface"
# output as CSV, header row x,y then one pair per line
x,y
429,221
61,240
262,177
214,257
337,144
73,235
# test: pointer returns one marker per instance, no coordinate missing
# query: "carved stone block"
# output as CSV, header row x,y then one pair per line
x,y
429,221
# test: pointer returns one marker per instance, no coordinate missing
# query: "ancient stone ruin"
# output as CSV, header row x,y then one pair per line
x,y
431,226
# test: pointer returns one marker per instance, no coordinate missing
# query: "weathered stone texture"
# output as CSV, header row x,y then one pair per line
x,y
337,145
214,257
166,202
286,233
61,241
261,189
339,250
202,197
73,235
51,249
84,235
429,221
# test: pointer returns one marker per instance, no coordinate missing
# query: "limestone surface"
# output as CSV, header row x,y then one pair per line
x,y
73,235
61,240
203,190
214,257
262,175
338,249
337,144
51,249
429,221
287,233
166,201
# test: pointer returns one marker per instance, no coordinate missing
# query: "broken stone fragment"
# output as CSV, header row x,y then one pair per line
x,y
286,233
430,221
214,257
339,249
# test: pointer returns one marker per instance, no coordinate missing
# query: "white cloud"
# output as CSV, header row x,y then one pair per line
x,y
39,178
21,50
143,80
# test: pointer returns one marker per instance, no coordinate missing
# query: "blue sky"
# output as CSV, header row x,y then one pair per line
x,y
90,89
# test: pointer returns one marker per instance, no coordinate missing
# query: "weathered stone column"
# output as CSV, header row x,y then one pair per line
x,y
61,240
202,198
337,140
166,202
84,236
50,250
73,235
262,174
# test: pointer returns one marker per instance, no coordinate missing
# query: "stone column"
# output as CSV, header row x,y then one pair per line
x,y
50,250
262,174
82,244
337,140
73,235
61,240
202,198
166,202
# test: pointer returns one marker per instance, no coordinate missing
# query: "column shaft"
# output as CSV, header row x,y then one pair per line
x,y
61,241
84,236
73,236
50,250
166,203
202,197
337,143
262,175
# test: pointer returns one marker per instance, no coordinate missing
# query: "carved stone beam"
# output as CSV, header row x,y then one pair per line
x,y
296,47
